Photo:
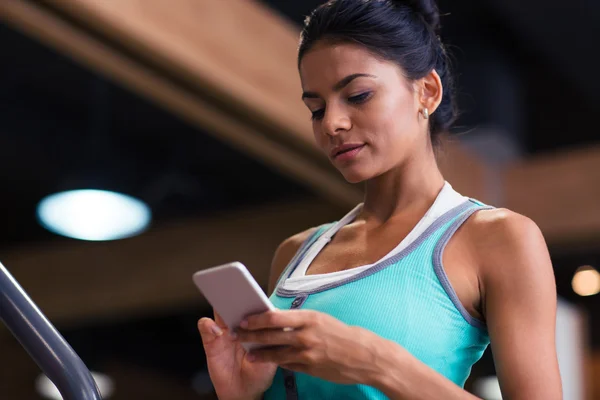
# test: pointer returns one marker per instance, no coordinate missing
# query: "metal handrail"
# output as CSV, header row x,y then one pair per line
x,y
43,342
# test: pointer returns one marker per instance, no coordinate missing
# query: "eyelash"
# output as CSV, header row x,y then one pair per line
x,y
358,99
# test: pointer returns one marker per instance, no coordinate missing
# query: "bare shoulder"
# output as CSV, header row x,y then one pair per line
x,y
284,254
506,245
503,229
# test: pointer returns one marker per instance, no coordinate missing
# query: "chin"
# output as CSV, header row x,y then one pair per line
x,y
355,176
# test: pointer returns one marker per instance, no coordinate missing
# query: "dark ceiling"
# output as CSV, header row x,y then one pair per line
x,y
62,126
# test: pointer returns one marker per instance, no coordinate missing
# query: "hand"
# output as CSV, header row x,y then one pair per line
x,y
313,343
232,375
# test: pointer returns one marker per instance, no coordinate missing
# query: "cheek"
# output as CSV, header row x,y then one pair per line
x,y
320,137
397,124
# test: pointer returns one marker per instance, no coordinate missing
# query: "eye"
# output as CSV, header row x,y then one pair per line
x,y
358,99
318,114
361,98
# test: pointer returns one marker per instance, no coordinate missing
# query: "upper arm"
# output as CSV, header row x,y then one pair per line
x,y
519,300
284,254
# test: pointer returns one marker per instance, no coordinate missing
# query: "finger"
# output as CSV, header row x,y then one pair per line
x,y
273,337
304,368
221,324
209,330
214,339
278,319
283,355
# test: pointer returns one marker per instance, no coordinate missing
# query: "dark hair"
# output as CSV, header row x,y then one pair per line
x,y
402,31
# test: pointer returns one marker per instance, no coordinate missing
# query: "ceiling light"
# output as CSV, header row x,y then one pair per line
x,y
48,390
93,215
586,281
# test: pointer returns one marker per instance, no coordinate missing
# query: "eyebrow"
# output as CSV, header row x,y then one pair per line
x,y
338,86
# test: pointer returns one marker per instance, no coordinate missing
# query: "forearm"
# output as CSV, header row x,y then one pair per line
x,y
401,376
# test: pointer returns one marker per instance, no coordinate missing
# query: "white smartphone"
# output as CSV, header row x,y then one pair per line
x,y
233,293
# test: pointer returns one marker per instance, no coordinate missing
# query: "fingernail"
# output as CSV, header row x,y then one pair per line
x,y
233,335
216,330
244,324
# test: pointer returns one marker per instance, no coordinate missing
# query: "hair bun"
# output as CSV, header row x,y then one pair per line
x,y
428,9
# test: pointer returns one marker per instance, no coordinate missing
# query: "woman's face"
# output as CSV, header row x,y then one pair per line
x,y
365,112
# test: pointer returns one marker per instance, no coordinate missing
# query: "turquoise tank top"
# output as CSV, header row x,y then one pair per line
x,y
406,298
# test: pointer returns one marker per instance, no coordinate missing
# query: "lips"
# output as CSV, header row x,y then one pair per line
x,y
337,151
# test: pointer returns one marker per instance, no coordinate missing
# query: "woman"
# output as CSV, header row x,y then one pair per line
x,y
400,297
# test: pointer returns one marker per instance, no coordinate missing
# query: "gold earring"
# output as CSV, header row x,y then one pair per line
x,y
425,113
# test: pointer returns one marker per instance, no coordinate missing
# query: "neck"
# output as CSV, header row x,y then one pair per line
x,y
410,188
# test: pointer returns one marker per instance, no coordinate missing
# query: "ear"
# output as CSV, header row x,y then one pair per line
x,y
430,91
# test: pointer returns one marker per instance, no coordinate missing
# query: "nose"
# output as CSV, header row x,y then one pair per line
x,y
336,121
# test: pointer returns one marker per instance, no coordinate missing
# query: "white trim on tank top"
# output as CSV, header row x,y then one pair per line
x,y
446,200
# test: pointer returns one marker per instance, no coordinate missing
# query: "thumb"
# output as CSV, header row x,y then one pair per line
x,y
209,330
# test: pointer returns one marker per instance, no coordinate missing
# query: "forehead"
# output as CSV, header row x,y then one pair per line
x,y
329,62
